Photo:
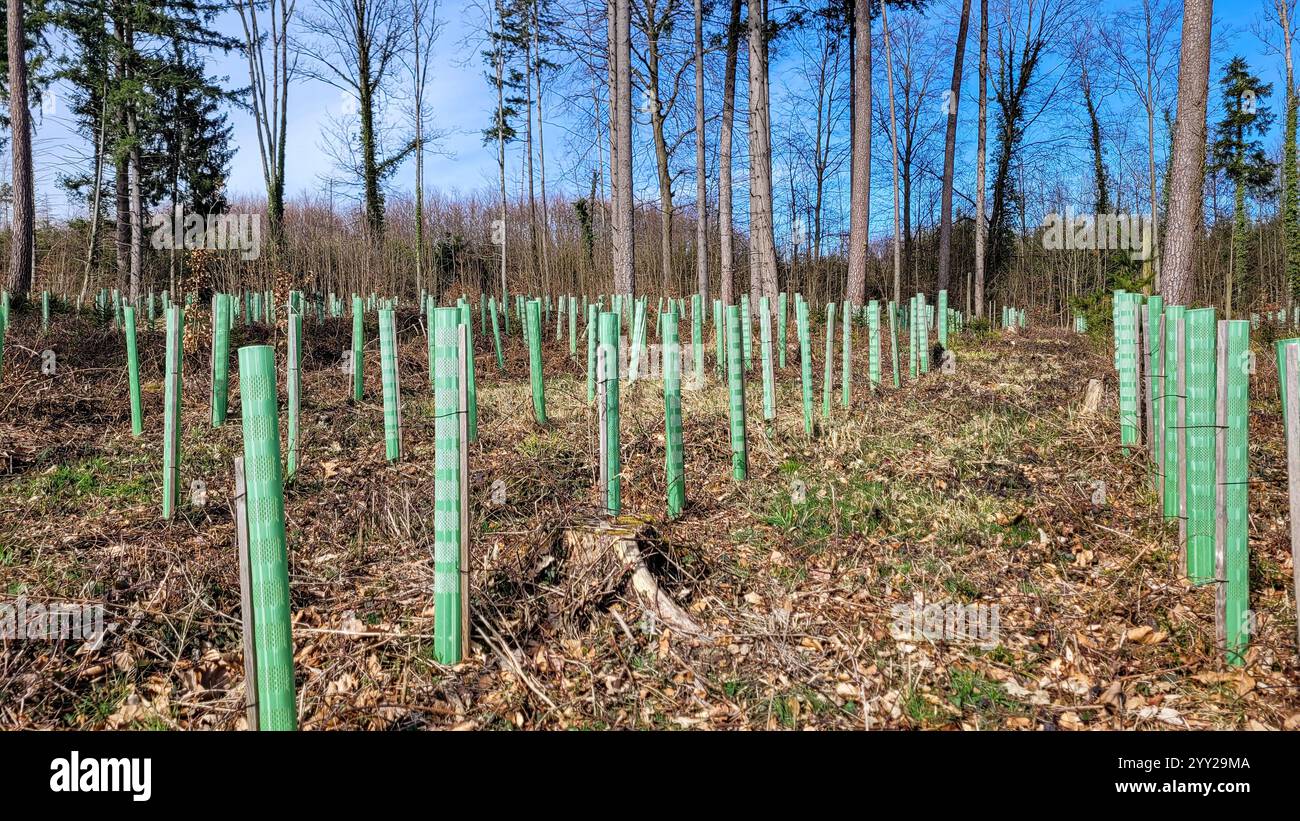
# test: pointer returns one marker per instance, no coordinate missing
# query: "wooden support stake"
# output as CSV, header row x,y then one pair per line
x,y
245,596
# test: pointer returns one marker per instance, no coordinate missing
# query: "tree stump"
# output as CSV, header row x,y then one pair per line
x,y
606,555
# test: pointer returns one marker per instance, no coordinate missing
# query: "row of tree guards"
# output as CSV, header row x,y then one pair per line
x,y
1184,383
260,479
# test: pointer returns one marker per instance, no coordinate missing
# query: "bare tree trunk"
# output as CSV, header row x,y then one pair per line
x,y
762,252
981,150
727,270
500,231
701,192
1151,139
893,142
950,150
616,210
417,93
269,97
23,245
541,156
625,264
534,252
653,26
1188,154
92,241
860,174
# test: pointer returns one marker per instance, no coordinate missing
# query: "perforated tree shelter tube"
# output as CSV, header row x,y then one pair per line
x,y
1232,561
893,339
719,338
172,411
427,306
873,343
1172,398
846,346
1126,364
573,326
533,331
923,333
267,552
913,328
765,342
736,391
593,312
1201,336
805,362
746,330
471,387
609,331
941,314
674,460
388,378
358,347
446,487
781,310
220,357
828,362
697,337
132,371
1279,348
294,389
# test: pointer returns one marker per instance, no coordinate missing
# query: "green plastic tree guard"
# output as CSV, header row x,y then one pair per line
x,y
45,311
697,337
358,347
781,306
220,357
389,381
1155,373
765,342
1279,348
1201,335
828,375
267,551
427,306
533,329
893,339
1126,363
638,339
132,370
446,487
746,329
846,344
719,334
805,362
674,460
573,326
294,389
1174,315
496,333
609,331
1232,562
172,412
941,314
873,343
593,314
736,382
913,330
471,388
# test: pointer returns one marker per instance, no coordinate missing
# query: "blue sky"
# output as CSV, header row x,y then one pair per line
x,y
461,103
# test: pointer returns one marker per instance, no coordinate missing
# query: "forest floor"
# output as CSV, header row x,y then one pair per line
x,y
983,486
